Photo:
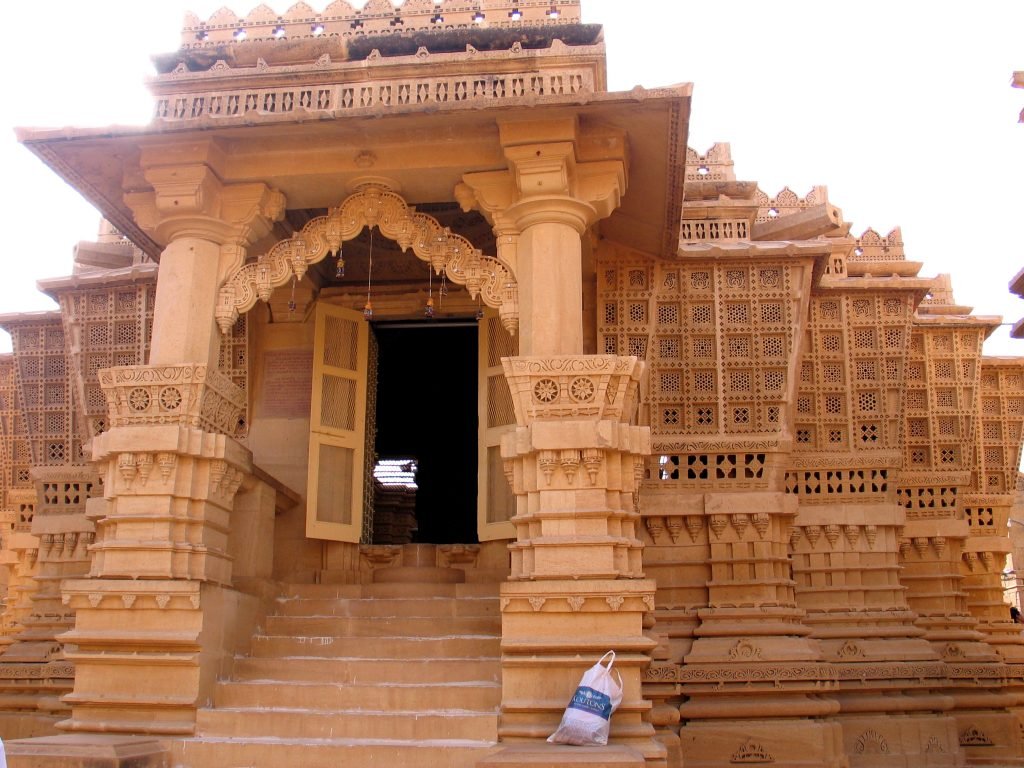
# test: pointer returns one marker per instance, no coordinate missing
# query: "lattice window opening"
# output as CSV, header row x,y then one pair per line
x,y
737,313
773,346
870,434
945,398
637,278
831,342
867,402
919,456
668,347
668,314
701,314
947,427
30,368
948,455
990,382
806,373
637,312
611,345
703,347
804,405
98,334
866,370
832,404
738,346
994,483
704,417
740,415
774,381
772,313
993,457
892,338
703,381
636,346
773,414
892,369
670,381
56,394
832,373
917,428
836,436
943,370
740,381
864,338
916,399
611,313
671,416
979,517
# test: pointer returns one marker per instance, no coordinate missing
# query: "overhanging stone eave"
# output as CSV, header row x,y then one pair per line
x,y
990,322
52,286
97,161
12,319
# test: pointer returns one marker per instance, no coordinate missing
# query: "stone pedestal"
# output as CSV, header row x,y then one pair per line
x,y
752,666
576,588
157,620
846,565
931,554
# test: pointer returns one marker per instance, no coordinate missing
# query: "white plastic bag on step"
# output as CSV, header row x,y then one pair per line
x,y
585,722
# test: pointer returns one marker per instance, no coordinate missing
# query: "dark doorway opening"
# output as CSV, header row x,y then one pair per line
x,y
427,409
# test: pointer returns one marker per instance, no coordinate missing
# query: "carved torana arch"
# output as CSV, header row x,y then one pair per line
x,y
372,205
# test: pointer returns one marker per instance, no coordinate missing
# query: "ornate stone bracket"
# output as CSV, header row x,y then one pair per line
x,y
189,395
372,205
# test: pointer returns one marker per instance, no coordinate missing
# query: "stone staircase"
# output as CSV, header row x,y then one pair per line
x,y
403,675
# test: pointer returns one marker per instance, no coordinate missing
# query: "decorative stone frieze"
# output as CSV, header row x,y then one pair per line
x,y
193,396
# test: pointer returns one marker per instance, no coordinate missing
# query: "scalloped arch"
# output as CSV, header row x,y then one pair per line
x,y
372,205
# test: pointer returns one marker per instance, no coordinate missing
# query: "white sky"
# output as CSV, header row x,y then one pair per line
x,y
904,110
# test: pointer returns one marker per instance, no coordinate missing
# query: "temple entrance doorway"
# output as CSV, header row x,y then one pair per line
x,y
426,411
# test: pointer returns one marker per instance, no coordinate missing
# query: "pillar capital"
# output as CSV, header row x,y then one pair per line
x,y
190,200
545,182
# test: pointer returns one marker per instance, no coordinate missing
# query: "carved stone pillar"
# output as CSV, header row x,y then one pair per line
x,y
549,196
157,619
576,586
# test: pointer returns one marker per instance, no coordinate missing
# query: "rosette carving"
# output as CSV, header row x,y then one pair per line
x,y
188,395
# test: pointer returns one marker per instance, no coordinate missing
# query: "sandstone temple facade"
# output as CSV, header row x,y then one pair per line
x,y
412,370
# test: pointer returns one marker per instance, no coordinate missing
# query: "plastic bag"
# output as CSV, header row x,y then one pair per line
x,y
586,719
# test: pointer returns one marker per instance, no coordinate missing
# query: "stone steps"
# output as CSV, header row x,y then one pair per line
x,y
223,752
478,696
388,607
385,724
308,669
450,646
386,626
403,675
